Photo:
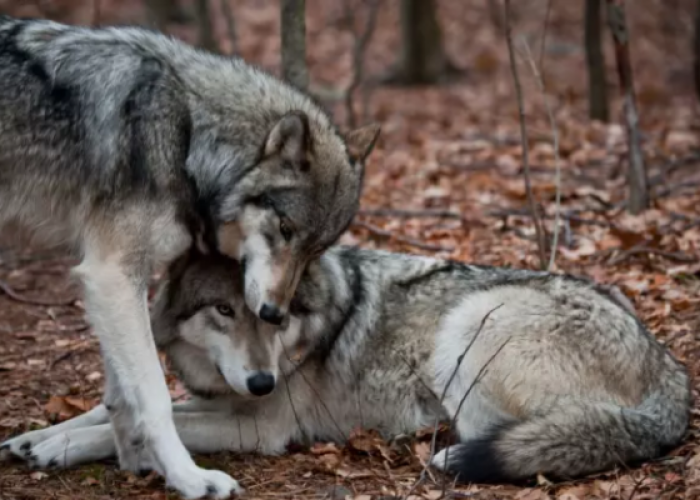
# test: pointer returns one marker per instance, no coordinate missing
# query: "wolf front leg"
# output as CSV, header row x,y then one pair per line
x,y
201,432
136,395
23,445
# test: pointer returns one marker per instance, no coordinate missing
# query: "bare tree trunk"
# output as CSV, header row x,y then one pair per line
x,y
293,20
597,89
636,174
422,59
696,50
162,12
206,29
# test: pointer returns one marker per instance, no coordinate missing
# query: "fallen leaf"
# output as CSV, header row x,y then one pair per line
x,y
38,475
422,451
531,494
66,407
324,448
369,442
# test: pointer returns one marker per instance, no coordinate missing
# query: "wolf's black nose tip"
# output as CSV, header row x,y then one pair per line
x,y
261,384
271,314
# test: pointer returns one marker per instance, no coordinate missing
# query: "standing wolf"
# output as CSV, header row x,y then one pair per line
x,y
130,147
541,373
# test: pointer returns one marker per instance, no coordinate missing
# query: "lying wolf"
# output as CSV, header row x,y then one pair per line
x,y
541,373
130,147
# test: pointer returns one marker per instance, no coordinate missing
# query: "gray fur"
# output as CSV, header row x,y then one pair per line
x,y
573,382
129,147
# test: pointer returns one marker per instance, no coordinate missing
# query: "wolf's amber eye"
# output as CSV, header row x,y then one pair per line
x,y
285,230
225,310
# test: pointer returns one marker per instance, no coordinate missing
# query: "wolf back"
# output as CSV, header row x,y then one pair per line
x,y
129,147
551,373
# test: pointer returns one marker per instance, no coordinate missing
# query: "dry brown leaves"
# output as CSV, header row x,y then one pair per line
x,y
452,149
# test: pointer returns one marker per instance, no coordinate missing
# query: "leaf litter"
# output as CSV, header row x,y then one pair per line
x,y
445,180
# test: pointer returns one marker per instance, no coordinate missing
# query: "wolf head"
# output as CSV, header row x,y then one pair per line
x,y
295,202
215,343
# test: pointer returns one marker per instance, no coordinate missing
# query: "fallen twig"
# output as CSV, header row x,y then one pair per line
x,y
7,290
476,380
643,249
523,139
378,231
410,214
436,427
566,216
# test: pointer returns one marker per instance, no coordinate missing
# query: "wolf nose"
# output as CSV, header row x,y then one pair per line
x,y
261,384
271,314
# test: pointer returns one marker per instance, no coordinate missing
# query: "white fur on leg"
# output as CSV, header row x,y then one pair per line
x,y
118,310
440,460
22,446
74,447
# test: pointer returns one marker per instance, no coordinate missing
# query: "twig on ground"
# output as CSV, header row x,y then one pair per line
x,y
643,249
436,429
476,380
313,389
7,290
523,138
410,214
671,167
378,231
358,57
566,216
555,141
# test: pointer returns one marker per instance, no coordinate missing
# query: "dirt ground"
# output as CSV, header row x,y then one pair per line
x,y
446,179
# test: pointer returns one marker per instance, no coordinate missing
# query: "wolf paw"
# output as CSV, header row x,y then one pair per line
x,y
199,483
22,445
441,459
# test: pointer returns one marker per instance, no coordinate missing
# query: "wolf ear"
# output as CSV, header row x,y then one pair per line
x,y
361,141
290,138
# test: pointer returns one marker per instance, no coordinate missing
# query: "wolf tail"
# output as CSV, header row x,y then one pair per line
x,y
574,439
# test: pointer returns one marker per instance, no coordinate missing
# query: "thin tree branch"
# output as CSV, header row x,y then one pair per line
x,y
378,231
359,50
96,12
523,137
477,379
557,163
230,24
410,214
436,428
544,33
7,290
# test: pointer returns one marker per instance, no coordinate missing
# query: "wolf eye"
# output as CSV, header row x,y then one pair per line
x,y
262,201
225,310
285,230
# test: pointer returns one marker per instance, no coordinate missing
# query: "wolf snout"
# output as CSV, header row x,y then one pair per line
x,y
272,314
261,384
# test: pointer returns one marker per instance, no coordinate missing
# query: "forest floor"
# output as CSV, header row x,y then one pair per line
x,y
446,180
